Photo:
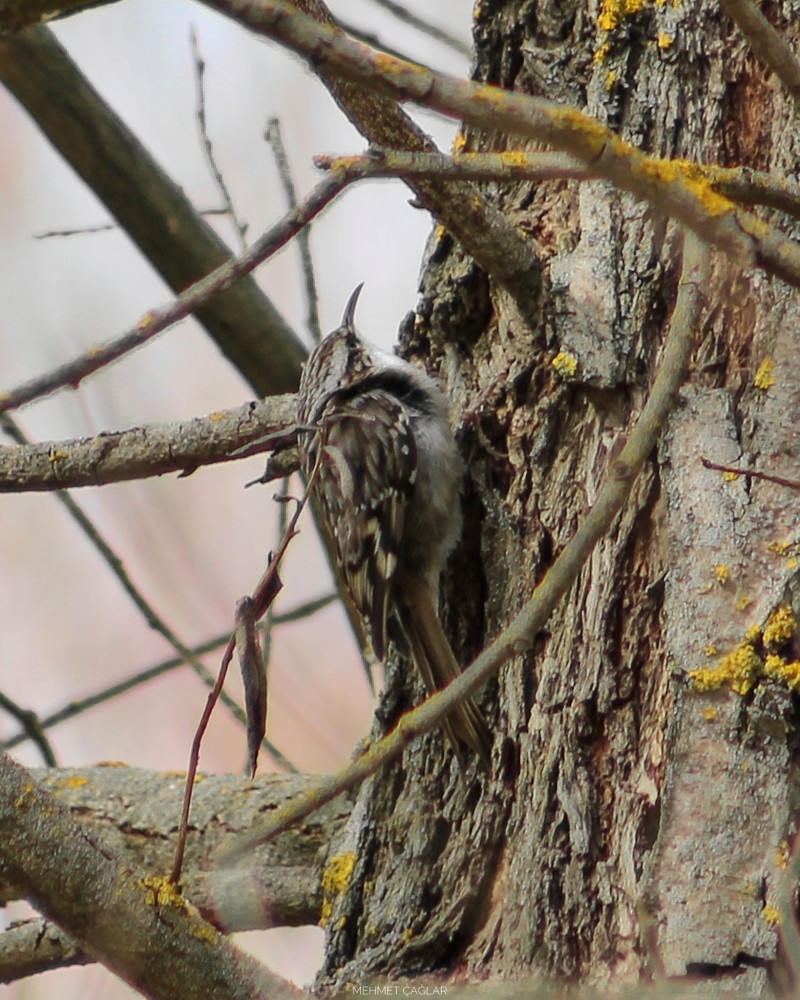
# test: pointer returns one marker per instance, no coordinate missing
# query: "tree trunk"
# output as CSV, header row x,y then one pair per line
x,y
632,824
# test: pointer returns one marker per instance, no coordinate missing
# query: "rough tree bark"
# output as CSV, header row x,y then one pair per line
x,y
637,815
632,825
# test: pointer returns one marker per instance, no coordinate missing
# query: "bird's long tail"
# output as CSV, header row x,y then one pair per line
x,y
465,725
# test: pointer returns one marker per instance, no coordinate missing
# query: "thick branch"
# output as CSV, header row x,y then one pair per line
x,y
151,450
133,922
134,813
148,204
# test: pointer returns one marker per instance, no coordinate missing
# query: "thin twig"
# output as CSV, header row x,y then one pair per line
x,y
438,34
519,636
154,322
275,140
792,484
109,227
264,594
219,180
33,728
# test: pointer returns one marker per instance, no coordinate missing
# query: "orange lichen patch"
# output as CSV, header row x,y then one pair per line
x,y
764,378
614,12
779,669
335,879
753,634
738,670
693,178
595,132
779,548
161,892
781,626
76,781
565,364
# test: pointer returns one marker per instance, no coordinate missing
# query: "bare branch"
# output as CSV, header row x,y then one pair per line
x,y
137,925
151,450
36,945
740,184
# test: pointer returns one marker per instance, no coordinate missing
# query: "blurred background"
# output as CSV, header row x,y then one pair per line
x,y
194,545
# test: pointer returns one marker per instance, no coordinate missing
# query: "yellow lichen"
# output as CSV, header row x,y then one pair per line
x,y
709,713
335,879
665,41
753,634
613,12
779,548
778,668
601,54
744,603
711,649
722,573
691,176
565,364
791,564
764,378
771,915
76,781
611,78
730,477
161,892
781,626
739,670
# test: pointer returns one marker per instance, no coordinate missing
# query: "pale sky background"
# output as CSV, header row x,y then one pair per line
x,y
193,545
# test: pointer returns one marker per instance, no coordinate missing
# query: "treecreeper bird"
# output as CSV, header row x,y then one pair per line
x,y
386,471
